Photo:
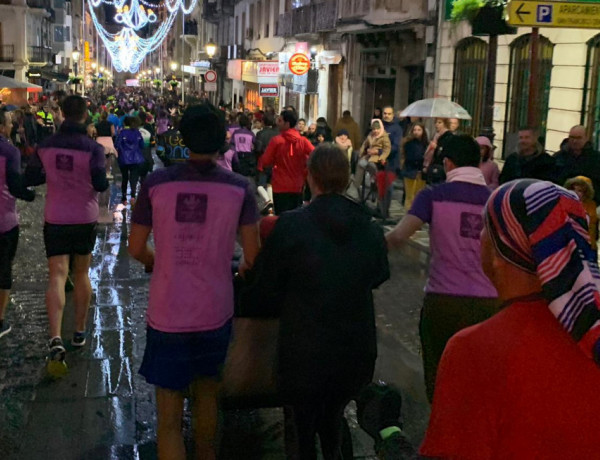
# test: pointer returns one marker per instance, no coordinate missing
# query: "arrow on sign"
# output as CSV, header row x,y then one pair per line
x,y
521,13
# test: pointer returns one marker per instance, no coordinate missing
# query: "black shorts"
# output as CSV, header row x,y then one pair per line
x,y
69,239
8,249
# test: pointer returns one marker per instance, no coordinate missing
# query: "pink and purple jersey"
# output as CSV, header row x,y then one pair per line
x,y
10,160
74,168
454,212
242,140
195,210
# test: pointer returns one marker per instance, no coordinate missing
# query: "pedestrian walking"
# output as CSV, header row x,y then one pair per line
x,y
130,146
413,149
433,165
263,138
243,142
529,161
287,153
73,166
106,133
502,383
457,293
11,187
195,210
316,273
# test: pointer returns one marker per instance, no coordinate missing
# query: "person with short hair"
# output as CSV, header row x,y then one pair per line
x,y
11,188
578,157
243,143
530,161
457,293
195,211
316,273
301,126
73,166
524,384
287,153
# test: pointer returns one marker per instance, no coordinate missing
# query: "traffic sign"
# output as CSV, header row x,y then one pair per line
x,y
210,86
576,15
210,76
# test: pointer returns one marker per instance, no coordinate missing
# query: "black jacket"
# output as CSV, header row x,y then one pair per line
x,y
539,166
316,273
586,164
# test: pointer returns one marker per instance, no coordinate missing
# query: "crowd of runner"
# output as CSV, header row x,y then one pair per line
x,y
511,247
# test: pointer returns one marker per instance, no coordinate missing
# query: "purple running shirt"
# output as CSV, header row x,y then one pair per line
x,y
195,210
10,163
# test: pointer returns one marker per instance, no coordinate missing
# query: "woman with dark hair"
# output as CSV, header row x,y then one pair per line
x,y
130,146
433,165
316,273
414,146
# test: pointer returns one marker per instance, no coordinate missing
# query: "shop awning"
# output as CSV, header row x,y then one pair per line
x,y
11,83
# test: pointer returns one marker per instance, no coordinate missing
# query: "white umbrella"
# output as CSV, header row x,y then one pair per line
x,y
436,108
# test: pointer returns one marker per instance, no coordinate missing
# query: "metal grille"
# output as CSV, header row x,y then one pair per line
x,y
591,98
470,63
518,93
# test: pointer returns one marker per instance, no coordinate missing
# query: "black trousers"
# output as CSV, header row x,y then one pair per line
x,y
286,201
131,175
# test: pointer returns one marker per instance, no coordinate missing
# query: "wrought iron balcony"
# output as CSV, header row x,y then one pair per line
x,y
7,53
320,17
39,54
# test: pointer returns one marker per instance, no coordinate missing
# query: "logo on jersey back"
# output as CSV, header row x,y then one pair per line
x,y
64,162
471,225
191,208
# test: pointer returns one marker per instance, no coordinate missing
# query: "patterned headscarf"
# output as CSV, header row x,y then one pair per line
x,y
542,229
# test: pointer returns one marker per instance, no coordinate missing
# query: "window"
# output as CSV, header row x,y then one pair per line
x,y
67,33
59,4
267,17
275,16
59,34
259,16
237,29
468,84
68,8
518,83
590,110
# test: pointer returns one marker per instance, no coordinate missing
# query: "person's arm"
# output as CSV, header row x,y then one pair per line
x,y
112,130
98,169
386,149
406,228
267,158
250,241
14,179
141,226
138,246
34,172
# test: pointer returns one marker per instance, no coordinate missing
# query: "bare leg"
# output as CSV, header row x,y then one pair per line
x,y
169,406
82,294
204,413
58,267
4,296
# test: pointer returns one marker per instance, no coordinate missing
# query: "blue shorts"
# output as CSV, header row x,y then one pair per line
x,y
174,360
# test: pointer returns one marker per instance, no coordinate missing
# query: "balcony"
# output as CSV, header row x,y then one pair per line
x,y
39,54
7,53
308,19
190,28
39,4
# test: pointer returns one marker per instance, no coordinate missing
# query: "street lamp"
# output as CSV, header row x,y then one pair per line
x,y
94,65
157,70
75,57
211,49
173,66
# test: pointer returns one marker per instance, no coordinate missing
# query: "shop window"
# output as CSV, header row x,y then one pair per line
x,y
517,96
468,84
590,111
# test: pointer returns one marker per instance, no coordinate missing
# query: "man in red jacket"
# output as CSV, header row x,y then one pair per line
x,y
287,153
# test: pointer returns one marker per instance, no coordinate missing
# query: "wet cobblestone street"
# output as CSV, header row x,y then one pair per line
x,y
103,409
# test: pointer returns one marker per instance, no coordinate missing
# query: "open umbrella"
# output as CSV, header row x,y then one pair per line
x,y
436,108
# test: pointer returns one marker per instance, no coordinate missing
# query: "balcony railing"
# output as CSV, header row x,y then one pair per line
x,y
39,54
38,3
308,19
7,53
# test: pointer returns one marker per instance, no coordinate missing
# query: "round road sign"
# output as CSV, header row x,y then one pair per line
x,y
210,76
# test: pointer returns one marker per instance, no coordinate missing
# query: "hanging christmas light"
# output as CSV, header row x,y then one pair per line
x,y
126,48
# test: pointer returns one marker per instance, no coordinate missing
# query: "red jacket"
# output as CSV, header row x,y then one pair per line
x,y
288,153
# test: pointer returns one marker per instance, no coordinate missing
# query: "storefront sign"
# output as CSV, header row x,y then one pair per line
x,y
201,64
268,90
268,69
299,64
86,51
577,15
132,82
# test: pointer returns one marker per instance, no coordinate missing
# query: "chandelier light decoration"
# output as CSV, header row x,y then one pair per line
x,y
127,48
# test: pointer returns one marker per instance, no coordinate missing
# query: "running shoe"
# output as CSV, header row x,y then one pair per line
x,y
78,339
56,349
267,208
5,328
